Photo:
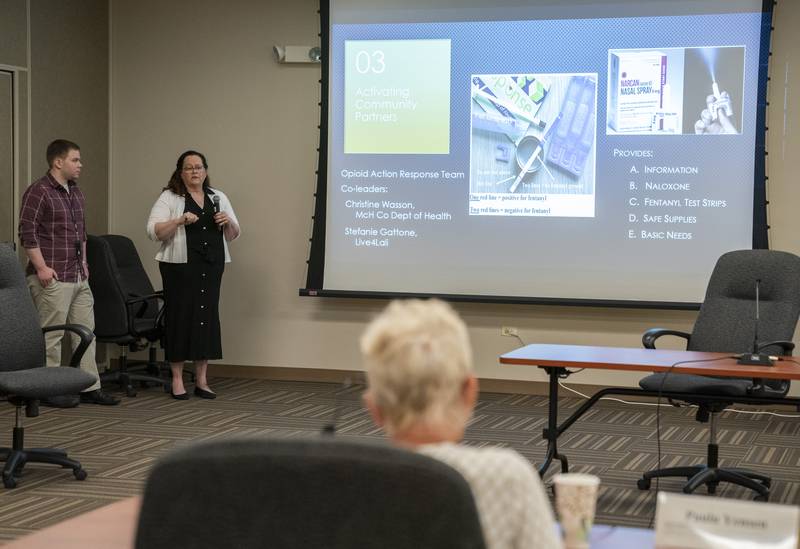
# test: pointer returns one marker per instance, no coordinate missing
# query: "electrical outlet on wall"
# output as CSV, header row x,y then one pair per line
x,y
508,331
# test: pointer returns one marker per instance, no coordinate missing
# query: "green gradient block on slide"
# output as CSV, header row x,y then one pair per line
x,y
397,96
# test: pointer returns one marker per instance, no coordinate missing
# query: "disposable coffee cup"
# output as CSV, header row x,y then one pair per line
x,y
576,498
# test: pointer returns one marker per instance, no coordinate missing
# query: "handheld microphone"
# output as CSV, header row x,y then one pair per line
x,y
756,358
215,202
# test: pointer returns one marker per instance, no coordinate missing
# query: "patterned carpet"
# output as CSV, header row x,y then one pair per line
x,y
118,445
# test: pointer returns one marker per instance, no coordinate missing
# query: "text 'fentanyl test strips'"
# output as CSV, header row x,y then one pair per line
x,y
637,81
397,96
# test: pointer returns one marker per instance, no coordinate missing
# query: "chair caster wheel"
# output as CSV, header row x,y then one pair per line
x,y
643,483
761,497
9,482
80,474
130,391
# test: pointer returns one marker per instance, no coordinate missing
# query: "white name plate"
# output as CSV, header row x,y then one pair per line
x,y
701,522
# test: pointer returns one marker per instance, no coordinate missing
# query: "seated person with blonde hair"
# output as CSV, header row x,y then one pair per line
x,y
421,390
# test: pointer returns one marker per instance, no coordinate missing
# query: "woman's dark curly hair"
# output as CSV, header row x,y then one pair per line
x,y
176,184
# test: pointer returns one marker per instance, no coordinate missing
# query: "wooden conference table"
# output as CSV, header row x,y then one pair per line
x,y
114,527
556,359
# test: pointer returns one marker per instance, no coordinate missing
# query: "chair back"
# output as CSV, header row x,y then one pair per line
x,y
282,494
116,275
110,314
726,322
21,339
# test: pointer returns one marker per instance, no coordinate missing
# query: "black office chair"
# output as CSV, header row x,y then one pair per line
x,y
24,378
322,492
127,309
726,323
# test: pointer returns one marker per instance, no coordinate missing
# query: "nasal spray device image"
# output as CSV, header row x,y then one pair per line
x,y
721,102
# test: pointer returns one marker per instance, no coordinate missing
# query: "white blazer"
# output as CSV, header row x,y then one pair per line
x,y
171,206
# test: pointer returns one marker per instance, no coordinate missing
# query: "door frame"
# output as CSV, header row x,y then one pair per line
x,y
14,155
14,73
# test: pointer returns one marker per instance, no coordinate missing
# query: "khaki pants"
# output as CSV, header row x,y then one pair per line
x,y
65,303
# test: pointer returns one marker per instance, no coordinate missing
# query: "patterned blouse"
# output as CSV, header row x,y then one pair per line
x,y
514,510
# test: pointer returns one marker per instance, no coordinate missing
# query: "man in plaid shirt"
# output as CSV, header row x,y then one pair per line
x,y
53,232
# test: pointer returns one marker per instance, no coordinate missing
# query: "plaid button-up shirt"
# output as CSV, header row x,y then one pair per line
x,y
52,220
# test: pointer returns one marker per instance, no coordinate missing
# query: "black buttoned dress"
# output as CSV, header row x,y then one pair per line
x,y
191,290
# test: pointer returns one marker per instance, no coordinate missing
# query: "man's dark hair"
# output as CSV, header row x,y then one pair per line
x,y
59,149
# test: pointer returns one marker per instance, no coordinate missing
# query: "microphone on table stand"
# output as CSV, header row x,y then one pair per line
x,y
330,428
756,358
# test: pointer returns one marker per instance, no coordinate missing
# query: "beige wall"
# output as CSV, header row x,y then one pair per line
x,y
14,59
202,75
14,32
69,92
783,138
61,73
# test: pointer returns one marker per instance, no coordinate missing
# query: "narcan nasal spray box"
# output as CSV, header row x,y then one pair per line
x,y
637,81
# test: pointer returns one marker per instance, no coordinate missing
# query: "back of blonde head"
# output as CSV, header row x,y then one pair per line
x,y
417,355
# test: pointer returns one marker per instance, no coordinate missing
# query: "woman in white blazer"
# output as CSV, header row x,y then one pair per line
x,y
194,223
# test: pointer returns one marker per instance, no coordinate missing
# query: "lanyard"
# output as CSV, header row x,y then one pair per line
x,y
78,240
78,243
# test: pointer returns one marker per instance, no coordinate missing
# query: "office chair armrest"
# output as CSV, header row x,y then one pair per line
x,y
650,336
140,299
144,298
82,332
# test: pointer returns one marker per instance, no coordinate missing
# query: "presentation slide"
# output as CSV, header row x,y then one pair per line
x,y
587,150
